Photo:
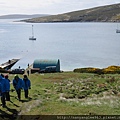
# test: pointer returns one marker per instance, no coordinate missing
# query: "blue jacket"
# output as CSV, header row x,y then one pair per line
x,y
0,89
7,84
26,84
18,84
3,84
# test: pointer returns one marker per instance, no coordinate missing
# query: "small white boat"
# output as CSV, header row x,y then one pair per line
x,y
117,30
32,37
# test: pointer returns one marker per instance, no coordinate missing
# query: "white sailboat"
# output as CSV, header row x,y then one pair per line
x,y
32,37
117,30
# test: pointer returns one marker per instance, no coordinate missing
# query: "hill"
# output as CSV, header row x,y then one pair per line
x,y
19,16
108,13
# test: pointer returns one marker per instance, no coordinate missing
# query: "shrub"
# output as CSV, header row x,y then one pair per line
x,y
112,69
89,70
108,70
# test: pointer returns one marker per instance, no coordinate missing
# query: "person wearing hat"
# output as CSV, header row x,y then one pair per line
x,y
26,85
7,88
18,85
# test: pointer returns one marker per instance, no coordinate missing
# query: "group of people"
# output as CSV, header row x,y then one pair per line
x,y
18,84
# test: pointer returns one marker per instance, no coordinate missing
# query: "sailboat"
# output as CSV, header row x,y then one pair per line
x,y
32,37
117,30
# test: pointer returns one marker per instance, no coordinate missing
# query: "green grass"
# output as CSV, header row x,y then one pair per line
x,y
68,93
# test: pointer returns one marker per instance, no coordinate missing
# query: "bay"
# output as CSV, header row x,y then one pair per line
x,y
75,44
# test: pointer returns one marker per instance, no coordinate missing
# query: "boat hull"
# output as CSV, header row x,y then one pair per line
x,y
117,31
32,38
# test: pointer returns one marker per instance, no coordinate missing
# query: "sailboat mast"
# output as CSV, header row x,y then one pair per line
x,y
32,31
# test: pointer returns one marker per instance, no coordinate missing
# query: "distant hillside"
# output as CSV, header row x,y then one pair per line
x,y
21,16
109,13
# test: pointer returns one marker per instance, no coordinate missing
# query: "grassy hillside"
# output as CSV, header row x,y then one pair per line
x,y
67,93
20,16
109,13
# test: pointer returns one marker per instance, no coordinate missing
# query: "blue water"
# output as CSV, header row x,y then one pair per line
x,y
75,44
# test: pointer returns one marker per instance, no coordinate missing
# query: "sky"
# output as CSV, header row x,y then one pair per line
x,y
49,6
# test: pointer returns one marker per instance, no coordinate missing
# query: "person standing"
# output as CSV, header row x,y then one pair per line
x,y
7,88
28,65
28,72
26,85
2,90
18,85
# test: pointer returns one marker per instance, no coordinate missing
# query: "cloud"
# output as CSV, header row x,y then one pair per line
x,y
27,6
